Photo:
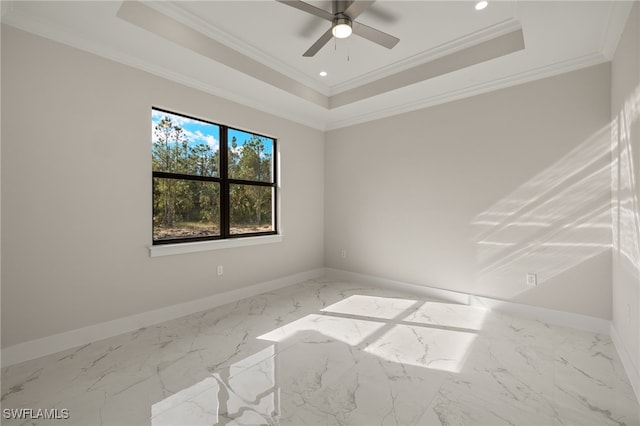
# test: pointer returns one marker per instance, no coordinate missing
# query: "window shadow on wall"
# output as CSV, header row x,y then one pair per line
x,y
624,212
582,206
550,224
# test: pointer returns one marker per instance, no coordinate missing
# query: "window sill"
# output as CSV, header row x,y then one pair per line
x,y
172,249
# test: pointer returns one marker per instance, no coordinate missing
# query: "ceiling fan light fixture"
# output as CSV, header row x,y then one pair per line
x,y
341,27
342,23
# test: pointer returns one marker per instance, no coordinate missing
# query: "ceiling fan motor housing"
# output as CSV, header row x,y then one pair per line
x,y
343,23
341,26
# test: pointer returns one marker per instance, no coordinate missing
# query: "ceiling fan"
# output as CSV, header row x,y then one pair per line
x,y
343,23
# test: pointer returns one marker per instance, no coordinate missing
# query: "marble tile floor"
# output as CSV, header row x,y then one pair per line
x,y
331,353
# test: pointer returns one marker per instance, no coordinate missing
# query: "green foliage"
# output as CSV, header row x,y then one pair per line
x,y
172,152
176,201
250,162
182,203
250,204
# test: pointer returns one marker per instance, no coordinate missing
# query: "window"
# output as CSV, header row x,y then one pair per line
x,y
210,181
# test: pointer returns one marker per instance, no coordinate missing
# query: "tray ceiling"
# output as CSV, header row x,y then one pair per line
x,y
251,51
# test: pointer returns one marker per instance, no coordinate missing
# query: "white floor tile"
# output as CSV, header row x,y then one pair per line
x,y
325,353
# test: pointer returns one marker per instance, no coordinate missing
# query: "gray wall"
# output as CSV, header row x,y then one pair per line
x,y
625,111
467,196
473,194
76,193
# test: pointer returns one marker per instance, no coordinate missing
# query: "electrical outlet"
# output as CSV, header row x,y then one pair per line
x,y
532,279
343,254
220,270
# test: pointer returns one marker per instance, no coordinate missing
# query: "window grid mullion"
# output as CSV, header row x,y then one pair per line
x,y
225,205
180,176
225,182
251,182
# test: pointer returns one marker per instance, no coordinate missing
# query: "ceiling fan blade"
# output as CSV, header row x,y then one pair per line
x,y
324,39
311,27
381,14
357,7
306,7
376,36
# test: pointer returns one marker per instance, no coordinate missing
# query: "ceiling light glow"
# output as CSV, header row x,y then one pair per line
x,y
481,5
341,27
323,73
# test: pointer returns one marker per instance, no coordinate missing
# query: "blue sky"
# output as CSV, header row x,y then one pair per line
x,y
198,132
242,137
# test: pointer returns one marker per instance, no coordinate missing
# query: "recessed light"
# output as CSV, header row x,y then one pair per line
x,y
323,73
481,4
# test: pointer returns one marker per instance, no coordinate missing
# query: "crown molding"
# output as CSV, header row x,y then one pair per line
x,y
619,12
444,49
618,15
459,60
550,70
179,13
53,32
175,11
6,6
141,15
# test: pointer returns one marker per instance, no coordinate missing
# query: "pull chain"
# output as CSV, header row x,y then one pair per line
x,y
348,46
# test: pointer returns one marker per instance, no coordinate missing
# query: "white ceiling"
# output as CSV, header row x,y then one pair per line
x,y
251,51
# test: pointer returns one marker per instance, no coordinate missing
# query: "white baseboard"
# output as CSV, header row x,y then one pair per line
x,y
549,316
70,339
629,368
422,290
81,336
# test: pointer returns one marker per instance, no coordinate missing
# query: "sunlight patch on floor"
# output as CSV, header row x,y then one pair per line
x,y
345,330
433,348
371,306
433,335
449,315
